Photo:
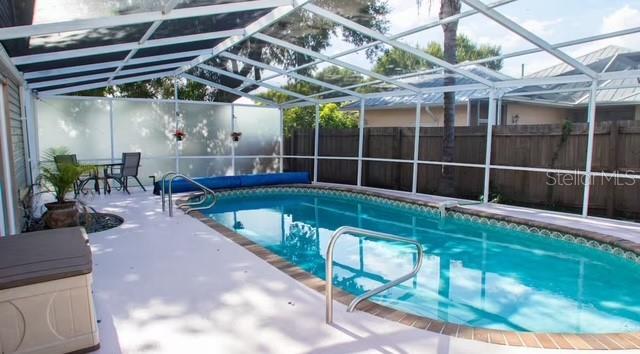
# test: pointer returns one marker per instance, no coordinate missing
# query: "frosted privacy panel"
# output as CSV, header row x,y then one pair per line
x,y
247,166
260,128
208,129
205,167
144,126
156,167
82,125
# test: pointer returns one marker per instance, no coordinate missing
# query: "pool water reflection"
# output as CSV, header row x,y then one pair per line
x,y
473,274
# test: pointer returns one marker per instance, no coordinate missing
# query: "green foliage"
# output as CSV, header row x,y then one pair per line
x,y
330,117
59,179
397,61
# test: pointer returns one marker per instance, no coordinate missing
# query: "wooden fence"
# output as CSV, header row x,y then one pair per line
x,y
616,148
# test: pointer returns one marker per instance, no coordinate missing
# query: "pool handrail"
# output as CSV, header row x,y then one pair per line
x,y
194,205
162,192
358,232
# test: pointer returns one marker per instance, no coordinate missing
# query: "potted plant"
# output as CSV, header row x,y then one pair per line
x,y
60,179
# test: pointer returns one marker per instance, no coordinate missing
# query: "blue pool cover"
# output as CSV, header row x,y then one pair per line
x,y
227,182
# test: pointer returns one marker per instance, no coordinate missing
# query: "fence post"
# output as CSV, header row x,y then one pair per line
x,y
416,146
487,159
316,144
360,142
591,119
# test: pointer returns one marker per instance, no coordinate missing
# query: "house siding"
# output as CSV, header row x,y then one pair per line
x,y
406,117
534,114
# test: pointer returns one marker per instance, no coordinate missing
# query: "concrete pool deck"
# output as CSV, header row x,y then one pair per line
x,y
174,285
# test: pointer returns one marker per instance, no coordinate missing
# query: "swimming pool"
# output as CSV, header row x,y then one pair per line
x,y
476,272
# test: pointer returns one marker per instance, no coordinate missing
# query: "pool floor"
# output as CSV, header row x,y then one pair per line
x,y
474,275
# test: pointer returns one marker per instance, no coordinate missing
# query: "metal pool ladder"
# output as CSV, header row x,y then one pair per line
x,y
197,205
357,232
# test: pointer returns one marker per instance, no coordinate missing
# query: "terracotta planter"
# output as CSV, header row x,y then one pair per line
x,y
63,214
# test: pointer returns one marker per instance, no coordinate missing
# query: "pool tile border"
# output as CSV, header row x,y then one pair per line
x,y
610,341
610,244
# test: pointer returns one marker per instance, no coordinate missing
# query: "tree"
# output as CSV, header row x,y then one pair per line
x,y
397,61
330,117
448,8
300,28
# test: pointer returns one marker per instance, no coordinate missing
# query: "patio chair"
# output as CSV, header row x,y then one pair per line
x,y
128,168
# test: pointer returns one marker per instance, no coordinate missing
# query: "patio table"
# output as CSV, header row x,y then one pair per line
x,y
96,176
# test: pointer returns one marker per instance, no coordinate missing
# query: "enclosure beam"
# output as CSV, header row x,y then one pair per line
x,y
361,123
529,36
11,67
74,79
111,132
176,114
316,144
281,111
591,119
32,131
104,84
570,43
233,145
83,52
131,19
583,78
230,90
246,79
311,53
487,157
7,187
395,36
284,72
330,16
110,64
166,9
263,22
416,145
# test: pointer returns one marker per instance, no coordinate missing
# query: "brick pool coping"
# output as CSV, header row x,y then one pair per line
x,y
609,341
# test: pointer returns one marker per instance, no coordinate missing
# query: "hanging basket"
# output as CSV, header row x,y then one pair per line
x,y
179,135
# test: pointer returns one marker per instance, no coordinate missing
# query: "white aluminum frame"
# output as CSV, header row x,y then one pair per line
x,y
132,19
246,79
529,36
280,9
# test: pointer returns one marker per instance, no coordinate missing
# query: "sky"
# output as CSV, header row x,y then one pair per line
x,y
553,20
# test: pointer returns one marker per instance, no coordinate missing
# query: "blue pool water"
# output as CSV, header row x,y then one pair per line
x,y
473,274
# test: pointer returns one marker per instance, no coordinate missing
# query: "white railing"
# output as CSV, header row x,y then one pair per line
x,y
357,232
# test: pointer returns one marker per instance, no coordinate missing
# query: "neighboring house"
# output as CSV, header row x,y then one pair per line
x,y
549,108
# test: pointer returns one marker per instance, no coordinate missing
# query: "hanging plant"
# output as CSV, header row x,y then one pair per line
x,y
235,136
179,134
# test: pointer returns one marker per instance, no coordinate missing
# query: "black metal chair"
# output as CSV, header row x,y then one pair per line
x,y
128,168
